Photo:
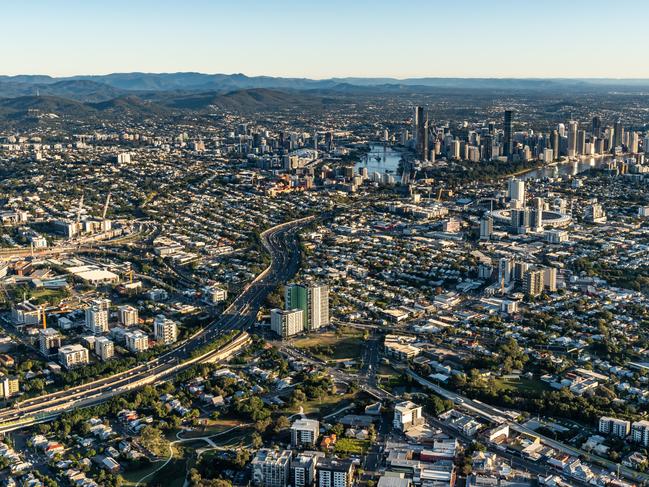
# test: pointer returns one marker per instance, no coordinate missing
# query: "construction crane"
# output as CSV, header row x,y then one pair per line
x,y
103,215
44,317
80,208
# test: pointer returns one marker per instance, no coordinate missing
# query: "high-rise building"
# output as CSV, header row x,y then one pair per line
x,y
618,134
286,323
640,432
304,432
634,142
596,126
313,299
407,415
614,426
104,348
533,282
73,355
97,319
508,141
49,340
486,227
517,194
128,315
555,144
9,386
505,266
520,220
271,468
581,142
136,341
573,128
332,472
165,330
550,279
303,468
536,214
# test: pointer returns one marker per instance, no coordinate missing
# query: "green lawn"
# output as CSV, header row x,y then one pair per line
x,y
351,446
344,345
522,385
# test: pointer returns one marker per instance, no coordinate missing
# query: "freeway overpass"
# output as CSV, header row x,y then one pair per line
x,y
282,245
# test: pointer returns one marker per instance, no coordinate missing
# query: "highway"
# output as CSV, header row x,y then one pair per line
x,y
282,245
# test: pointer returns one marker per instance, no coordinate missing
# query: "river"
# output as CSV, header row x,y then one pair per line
x,y
382,159
567,168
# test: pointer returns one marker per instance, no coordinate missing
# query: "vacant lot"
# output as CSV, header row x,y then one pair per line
x,y
344,344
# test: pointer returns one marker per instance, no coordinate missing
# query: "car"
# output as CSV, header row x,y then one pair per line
x,y
458,400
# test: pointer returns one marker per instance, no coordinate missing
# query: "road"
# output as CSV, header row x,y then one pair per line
x,y
282,245
499,416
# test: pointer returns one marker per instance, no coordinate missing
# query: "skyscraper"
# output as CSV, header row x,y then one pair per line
x,y
420,130
508,143
555,144
313,300
618,134
597,126
573,128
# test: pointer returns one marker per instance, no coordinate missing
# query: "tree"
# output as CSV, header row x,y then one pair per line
x,y
257,442
281,423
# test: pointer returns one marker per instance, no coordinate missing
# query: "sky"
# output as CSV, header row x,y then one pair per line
x,y
328,38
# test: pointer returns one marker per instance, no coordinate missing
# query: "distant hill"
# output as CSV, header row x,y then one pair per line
x,y
258,99
105,87
31,106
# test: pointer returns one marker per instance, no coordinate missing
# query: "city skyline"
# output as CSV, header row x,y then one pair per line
x,y
467,39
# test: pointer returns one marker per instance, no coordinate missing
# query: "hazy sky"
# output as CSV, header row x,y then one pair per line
x,y
319,39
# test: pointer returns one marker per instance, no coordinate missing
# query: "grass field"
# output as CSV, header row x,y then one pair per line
x,y
522,385
351,446
344,345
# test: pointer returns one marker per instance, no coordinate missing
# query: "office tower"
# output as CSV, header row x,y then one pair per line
x,y
573,128
420,130
645,144
555,144
634,142
519,269
492,128
313,299
128,315
533,282
165,330
517,194
271,468
520,220
550,279
618,134
486,227
49,340
505,270
286,323
596,126
548,155
136,341
536,215
97,319
104,348
508,142
581,142
72,355
304,433
561,128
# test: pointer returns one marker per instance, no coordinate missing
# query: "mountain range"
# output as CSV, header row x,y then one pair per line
x,y
96,88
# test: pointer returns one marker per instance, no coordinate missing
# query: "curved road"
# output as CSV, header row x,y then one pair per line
x,y
282,245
